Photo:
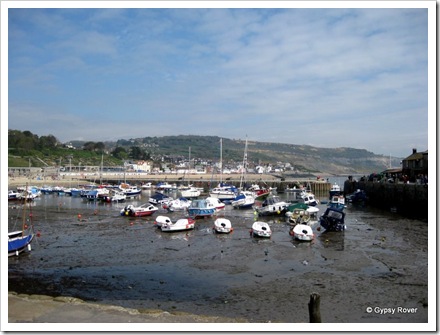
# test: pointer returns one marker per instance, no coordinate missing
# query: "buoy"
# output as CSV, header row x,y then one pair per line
x,y
38,234
131,223
79,216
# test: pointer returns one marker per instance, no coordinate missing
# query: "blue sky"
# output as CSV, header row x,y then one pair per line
x,y
327,77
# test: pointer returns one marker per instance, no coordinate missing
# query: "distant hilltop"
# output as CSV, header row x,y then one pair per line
x,y
301,158
171,152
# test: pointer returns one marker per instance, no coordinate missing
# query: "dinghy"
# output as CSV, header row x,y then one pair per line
x,y
222,225
302,232
167,225
261,229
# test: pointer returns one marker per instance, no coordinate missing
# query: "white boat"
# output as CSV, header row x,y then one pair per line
x,y
130,191
272,206
302,232
224,192
178,204
261,229
222,225
335,190
166,187
216,203
309,199
179,225
146,186
160,199
244,200
189,192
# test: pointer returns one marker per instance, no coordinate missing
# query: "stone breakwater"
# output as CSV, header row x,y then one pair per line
x,y
319,186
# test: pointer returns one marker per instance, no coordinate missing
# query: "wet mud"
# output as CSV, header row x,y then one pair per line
x,y
87,250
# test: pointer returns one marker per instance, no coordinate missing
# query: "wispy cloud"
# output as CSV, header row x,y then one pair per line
x,y
331,77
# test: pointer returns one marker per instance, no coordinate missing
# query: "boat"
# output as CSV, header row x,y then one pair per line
x,y
20,240
13,195
116,196
143,210
261,229
243,200
216,203
311,210
146,186
335,190
337,201
130,191
189,192
302,232
200,208
309,199
222,226
272,206
259,193
224,192
177,204
182,224
299,216
160,199
166,187
333,219
357,196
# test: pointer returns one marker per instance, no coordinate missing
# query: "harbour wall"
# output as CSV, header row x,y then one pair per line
x,y
410,200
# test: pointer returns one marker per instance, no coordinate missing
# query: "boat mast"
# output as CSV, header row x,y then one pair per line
x,y
243,173
221,160
24,210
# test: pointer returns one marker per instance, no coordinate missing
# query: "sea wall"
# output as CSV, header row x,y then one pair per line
x,y
410,200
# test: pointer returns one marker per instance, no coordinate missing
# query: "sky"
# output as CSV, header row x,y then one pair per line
x,y
326,77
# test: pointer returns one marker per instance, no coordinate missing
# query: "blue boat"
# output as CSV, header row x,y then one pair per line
x,y
18,242
201,208
357,196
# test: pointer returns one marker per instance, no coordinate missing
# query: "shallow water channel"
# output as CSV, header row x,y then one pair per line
x,y
381,260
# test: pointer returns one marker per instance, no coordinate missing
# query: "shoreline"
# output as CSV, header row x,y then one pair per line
x,y
35,308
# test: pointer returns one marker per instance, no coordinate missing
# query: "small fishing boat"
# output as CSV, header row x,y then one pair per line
x,y
200,208
224,192
272,206
302,232
131,191
309,199
116,196
299,216
261,229
189,192
143,210
333,219
335,190
182,224
337,201
357,196
160,199
177,204
216,203
244,200
222,225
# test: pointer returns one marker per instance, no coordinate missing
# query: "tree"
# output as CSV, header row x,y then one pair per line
x,y
120,153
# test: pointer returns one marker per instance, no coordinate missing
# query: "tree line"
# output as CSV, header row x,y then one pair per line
x,y
25,143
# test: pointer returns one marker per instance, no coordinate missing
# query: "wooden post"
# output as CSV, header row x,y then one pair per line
x,y
314,311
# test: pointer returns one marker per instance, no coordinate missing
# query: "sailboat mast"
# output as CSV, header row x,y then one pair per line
x,y
24,210
221,160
